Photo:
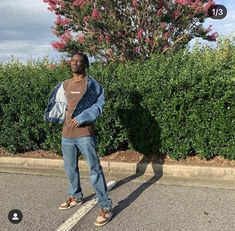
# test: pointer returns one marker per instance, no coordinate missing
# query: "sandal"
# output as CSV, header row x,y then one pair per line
x,y
103,217
70,202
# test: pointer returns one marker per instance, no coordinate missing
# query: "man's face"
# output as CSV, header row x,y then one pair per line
x,y
78,65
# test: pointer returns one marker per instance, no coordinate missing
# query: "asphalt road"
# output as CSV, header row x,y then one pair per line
x,y
138,206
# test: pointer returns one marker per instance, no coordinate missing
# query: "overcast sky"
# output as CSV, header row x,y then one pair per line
x,y
25,28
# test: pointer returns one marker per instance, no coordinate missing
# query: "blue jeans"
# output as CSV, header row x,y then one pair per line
x,y
87,146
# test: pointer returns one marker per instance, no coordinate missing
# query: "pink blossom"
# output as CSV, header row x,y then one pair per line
x,y
81,38
66,37
86,18
163,25
101,38
198,9
161,3
120,33
52,4
91,31
181,2
135,3
213,36
107,38
62,4
58,45
197,6
165,47
79,3
137,49
166,35
171,27
140,34
208,5
62,21
149,41
51,1
159,12
209,29
176,14
96,14
194,5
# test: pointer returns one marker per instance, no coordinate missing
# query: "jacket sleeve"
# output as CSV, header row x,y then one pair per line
x,y
90,114
57,104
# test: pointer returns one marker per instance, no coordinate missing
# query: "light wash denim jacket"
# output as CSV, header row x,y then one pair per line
x,y
87,110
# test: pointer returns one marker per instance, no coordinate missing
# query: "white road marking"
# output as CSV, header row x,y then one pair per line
x,y
82,211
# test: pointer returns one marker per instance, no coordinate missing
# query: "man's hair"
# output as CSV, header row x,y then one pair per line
x,y
85,58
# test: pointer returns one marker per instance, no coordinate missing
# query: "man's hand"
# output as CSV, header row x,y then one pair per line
x,y
74,123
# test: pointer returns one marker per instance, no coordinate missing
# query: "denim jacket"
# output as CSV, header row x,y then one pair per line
x,y
87,110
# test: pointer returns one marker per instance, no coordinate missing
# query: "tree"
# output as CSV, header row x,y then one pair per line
x,y
128,30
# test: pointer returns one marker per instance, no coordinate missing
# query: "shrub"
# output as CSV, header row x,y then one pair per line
x,y
179,104
24,91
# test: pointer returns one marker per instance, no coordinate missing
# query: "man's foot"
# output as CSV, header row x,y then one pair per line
x,y
70,202
103,217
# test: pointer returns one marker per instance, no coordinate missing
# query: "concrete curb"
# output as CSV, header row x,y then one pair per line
x,y
148,169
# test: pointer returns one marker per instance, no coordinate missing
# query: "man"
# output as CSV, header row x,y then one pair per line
x,y
76,103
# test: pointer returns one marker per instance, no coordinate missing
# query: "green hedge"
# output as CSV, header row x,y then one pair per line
x,y
24,92
180,104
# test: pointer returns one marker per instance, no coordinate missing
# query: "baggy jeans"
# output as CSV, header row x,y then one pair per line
x,y
87,146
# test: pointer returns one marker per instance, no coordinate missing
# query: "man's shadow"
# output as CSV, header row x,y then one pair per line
x,y
144,136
